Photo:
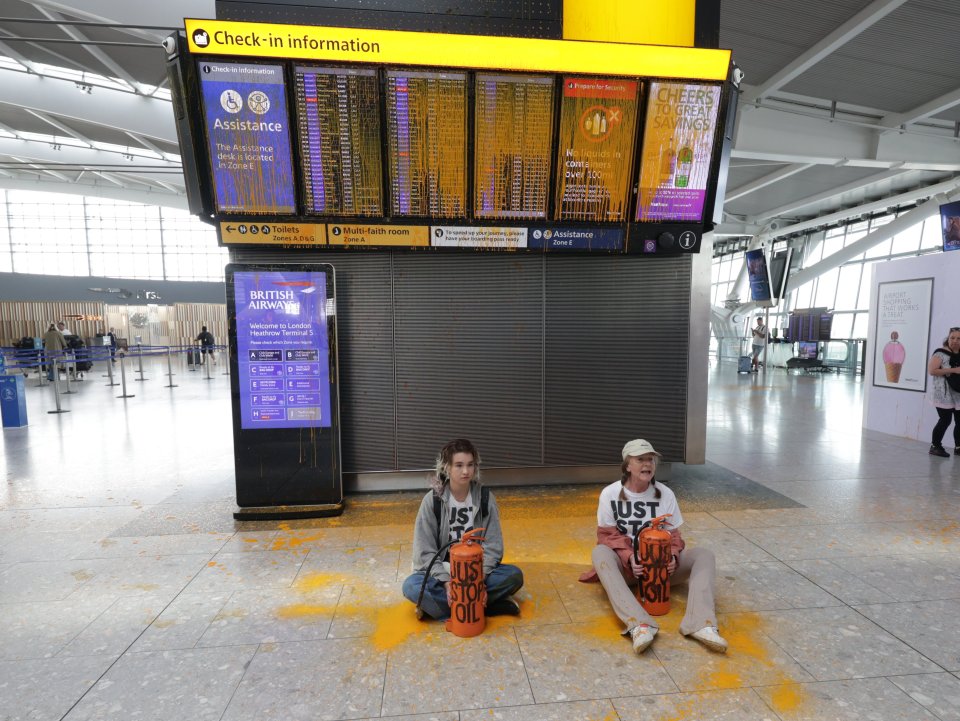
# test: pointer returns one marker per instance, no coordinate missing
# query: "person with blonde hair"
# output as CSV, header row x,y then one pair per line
x,y
626,506
455,504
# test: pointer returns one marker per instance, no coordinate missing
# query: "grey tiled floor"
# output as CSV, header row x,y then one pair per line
x,y
127,591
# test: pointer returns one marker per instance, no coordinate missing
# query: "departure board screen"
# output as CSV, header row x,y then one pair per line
x,y
338,115
245,114
427,141
677,149
514,125
598,122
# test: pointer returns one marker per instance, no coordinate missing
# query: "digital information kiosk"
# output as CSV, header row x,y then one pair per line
x,y
283,362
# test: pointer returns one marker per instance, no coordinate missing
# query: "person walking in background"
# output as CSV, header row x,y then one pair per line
x,y
944,366
205,338
759,342
54,344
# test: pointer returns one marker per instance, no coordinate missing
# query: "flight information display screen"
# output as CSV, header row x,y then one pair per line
x,y
283,362
514,127
245,114
338,116
678,140
598,122
427,143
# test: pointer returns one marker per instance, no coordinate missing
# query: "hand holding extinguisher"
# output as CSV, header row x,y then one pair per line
x,y
652,556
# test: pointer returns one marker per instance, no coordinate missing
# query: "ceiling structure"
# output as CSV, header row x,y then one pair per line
x,y
847,107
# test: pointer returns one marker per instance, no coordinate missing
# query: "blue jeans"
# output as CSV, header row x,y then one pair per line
x,y
504,580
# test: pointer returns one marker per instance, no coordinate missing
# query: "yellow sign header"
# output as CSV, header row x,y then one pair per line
x,y
394,47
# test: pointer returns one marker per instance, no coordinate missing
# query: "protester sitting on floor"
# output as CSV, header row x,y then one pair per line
x,y
625,506
456,504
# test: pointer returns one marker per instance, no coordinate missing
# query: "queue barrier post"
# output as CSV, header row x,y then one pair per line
x,y
66,372
110,373
170,383
226,361
193,357
207,362
56,391
140,363
123,378
41,369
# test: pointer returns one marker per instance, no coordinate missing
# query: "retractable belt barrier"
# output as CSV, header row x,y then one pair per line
x,y
48,365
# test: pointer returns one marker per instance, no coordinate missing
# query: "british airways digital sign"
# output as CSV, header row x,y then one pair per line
x,y
245,114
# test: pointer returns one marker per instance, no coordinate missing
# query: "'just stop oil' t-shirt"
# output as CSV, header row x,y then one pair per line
x,y
628,514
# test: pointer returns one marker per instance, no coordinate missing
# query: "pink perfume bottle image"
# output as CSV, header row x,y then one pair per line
x,y
893,355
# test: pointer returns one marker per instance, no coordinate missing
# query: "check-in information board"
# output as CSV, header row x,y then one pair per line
x,y
424,140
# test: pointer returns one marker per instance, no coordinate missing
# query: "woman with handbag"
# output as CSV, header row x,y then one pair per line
x,y
944,366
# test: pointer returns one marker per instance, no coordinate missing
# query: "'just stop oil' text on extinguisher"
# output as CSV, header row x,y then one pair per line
x,y
651,549
467,588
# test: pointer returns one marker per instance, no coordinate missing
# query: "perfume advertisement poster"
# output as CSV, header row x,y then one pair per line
x,y
902,335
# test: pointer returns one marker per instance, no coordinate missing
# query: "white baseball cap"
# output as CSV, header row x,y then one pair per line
x,y
638,447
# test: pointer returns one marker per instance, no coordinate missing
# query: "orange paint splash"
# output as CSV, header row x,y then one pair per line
x,y
787,698
395,624
302,610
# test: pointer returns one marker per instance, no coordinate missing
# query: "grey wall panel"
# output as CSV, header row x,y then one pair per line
x,y
540,360
469,356
365,339
616,339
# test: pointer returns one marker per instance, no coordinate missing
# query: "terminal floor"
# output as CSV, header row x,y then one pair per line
x,y
127,590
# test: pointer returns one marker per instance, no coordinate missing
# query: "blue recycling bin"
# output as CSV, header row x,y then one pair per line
x,y
13,401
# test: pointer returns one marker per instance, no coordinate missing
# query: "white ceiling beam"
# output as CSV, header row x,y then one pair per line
x,y
947,187
35,166
134,13
92,190
45,48
150,117
136,137
105,60
11,53
832,192
933,107
872,13
767,134
60,126
767,180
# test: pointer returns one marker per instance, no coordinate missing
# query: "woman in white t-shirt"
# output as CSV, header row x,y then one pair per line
x,y
625,506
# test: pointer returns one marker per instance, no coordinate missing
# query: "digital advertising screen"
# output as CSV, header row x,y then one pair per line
x,y
513,130
950,224
758,276
283,363
427,143
248,137
598,121
677,150
338,116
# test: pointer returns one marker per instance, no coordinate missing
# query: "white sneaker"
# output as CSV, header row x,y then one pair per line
x,y
710,637
642,636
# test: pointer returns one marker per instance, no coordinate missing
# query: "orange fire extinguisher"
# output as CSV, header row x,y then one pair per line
x,y
651,548
468,591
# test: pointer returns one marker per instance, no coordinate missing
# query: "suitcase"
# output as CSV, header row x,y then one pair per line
x,y
744,364
193,357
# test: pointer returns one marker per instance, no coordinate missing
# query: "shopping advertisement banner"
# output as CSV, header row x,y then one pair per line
x,y
901,338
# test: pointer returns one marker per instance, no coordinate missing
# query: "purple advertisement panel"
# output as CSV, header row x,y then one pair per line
x,y
675,161
282,350
245,111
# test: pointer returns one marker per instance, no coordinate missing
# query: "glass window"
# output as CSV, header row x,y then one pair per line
x,y
848,286
932,235
842,325
907,241
827,289
860,325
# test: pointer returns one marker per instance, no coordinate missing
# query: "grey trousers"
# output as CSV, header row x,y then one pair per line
x,y
697,566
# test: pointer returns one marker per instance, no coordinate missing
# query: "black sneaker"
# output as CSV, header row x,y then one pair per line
x,y
503,607
938,451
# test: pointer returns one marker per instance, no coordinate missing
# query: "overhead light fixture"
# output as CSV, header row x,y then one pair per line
x,y
84,87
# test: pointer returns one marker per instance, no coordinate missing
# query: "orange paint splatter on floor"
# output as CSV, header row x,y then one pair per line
x,y
788,698
395,624
724,679
301,610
